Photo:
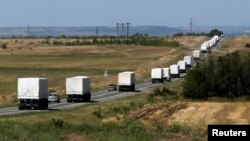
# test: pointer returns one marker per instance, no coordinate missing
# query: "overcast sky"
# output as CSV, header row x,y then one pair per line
x,y
20,13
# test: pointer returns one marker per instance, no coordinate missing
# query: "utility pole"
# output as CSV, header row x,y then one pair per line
x,y
191,25
122,32
128,31
117,32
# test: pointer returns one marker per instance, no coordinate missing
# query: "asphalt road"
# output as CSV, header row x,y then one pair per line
x,y
96,97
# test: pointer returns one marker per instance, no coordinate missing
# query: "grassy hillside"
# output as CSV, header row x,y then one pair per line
x,y
134,118
33,58
143,117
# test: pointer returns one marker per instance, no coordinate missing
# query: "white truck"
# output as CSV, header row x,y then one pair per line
x,y
126,81
78,89
204,48
196,54
32,93
188,60
175,71
166,74
157,75
183,66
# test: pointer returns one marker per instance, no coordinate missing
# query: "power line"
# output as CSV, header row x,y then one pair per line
x,y
122,27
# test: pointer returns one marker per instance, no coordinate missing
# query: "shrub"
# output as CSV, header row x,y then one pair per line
x,y
58,123
226,76
162,92
4,45
57,43
98,113
215,32
176,128
135,128
247,45
151,98
121,110
46,41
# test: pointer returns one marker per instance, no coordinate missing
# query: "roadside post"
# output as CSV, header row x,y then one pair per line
x,y
105,77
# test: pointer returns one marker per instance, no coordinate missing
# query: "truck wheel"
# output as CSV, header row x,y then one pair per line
x,y
69,100
89,98
86,98
44,107
21,108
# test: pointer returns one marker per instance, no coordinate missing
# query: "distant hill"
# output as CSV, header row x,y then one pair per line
x,y
228,30
84,31
103,30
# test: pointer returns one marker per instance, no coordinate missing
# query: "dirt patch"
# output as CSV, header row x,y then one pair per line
x,y
155,113
7,99
75,137
197,114
233,113
237,115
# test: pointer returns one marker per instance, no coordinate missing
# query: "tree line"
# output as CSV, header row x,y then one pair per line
x,y
225,76
212,33
136,39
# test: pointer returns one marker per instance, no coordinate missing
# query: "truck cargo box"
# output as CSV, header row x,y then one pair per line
x,y
204,48
175,71
126,78
32,93
183,65
166,74
196,54
188,60
78,85
126,81
32,88
157,75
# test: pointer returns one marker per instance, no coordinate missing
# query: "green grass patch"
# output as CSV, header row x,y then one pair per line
x,y
107,121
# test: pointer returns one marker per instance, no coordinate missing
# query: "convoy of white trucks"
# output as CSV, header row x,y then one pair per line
x,y
33,92
207,45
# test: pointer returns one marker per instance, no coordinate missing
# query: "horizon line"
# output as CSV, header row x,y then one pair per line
x,y
115,26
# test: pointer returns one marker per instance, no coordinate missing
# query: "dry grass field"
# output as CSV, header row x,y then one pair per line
x,y
33,58
164,120
232,44
132,118
195,114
